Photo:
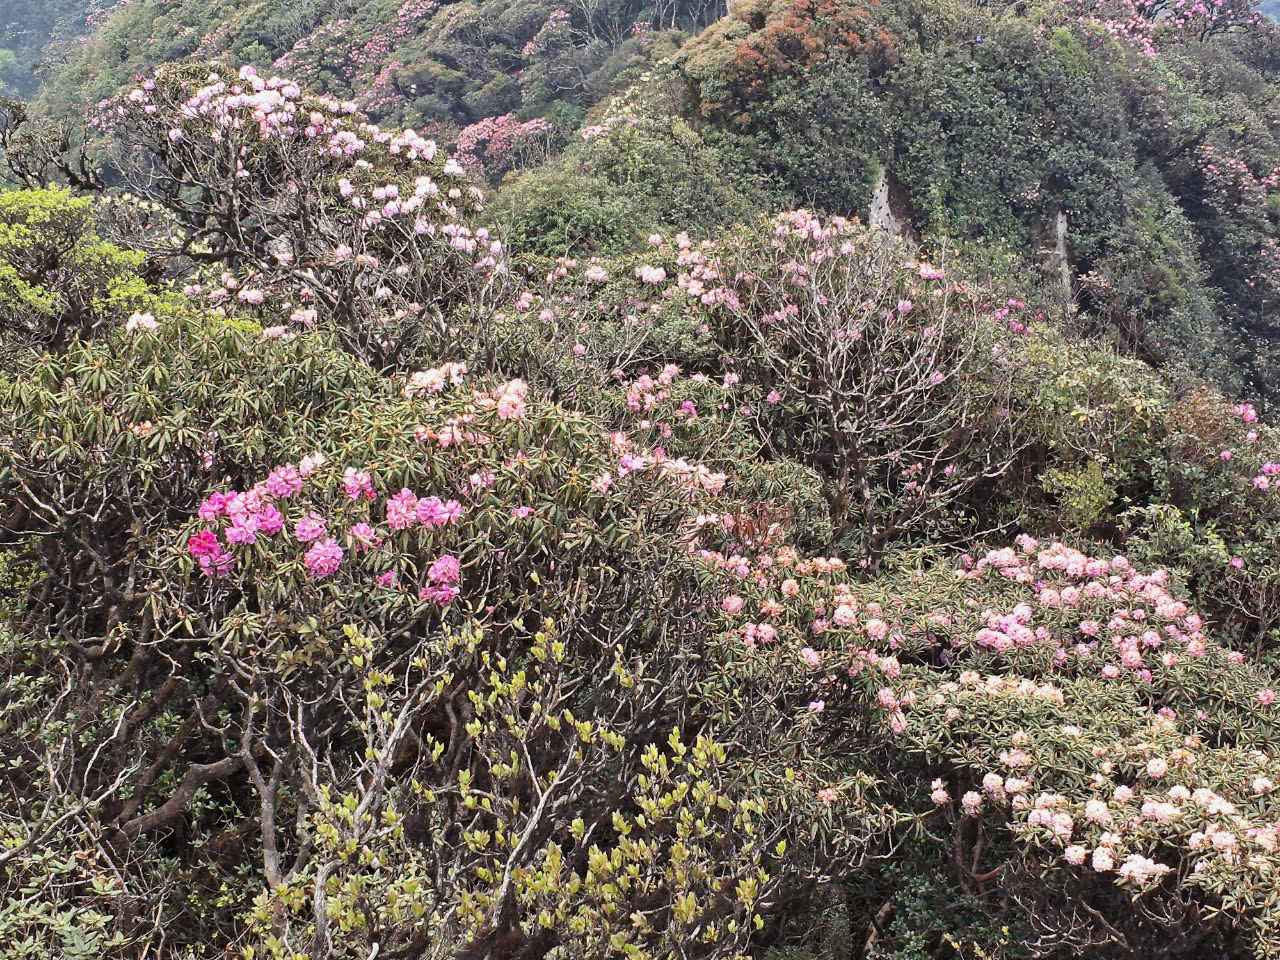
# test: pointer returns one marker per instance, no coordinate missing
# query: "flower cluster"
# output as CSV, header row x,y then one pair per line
x,y
243,518
435,379
1150,25
496,145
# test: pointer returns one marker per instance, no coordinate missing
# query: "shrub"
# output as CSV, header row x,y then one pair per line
x,y
58,280
317,216
399,605
855,362
1081,741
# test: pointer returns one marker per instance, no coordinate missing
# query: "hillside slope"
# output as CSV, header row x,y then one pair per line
x,y
1130,150
370,591
447,63
1153,152
647,559
26,29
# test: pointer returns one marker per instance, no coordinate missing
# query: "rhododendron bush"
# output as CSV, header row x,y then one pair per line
x,y
446,651
314,214
1150,24
1086,747
833,349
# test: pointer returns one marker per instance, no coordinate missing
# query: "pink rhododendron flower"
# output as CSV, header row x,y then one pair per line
x,y
358,484
270,521
876,629
309,528
214,506
433,512
511,400
243,534
939,794
310,464
217,564
440,594
283,482
445,570
324,558
402,510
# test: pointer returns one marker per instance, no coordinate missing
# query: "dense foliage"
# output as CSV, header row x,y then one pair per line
x,y
651,560
987,123
447,64
28,30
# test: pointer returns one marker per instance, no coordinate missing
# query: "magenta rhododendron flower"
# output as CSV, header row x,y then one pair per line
x,y
204,544
324,558
283,482
402,510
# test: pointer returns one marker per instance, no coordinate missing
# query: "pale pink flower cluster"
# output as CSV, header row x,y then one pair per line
x,y
510,399
435,379
442,581
141,321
